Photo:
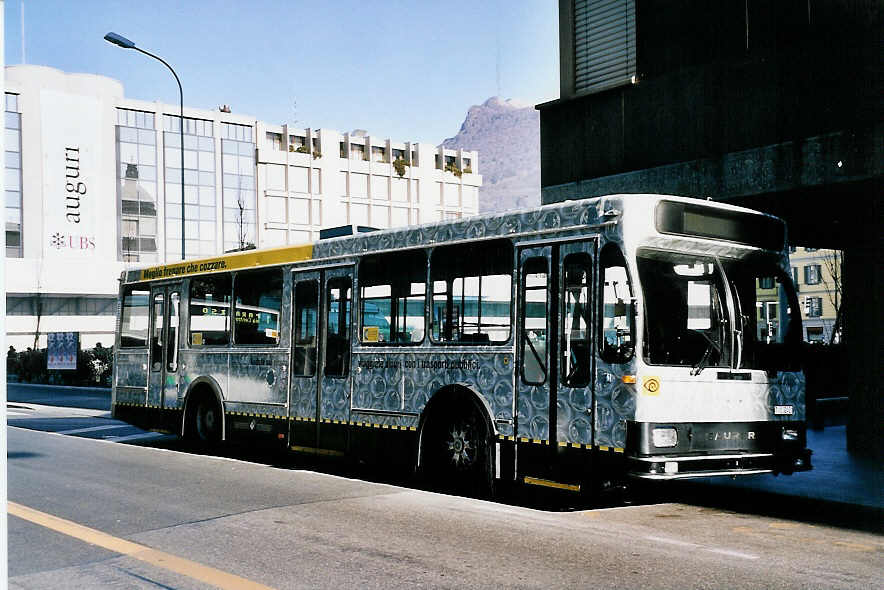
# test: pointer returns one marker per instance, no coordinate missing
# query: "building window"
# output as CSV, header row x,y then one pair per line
x,y
793,249
813,307
766,283
814,333
137,185
199,187
357,151
812,274
236,132
343,148
275,141
238,185
795,276
199,127
604,44
811,249
378,153
298,143
13,185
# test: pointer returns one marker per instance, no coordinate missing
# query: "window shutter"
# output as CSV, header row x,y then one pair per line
x,y
604,44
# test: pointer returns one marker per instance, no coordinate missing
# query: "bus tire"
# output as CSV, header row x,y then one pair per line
x,y
456,450
205,421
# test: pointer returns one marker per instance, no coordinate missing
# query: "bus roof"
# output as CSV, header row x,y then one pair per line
x,y
551,218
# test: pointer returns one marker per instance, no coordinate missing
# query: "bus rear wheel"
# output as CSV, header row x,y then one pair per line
x,y
457,452
205,422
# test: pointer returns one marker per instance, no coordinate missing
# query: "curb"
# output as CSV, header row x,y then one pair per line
x,y
106,390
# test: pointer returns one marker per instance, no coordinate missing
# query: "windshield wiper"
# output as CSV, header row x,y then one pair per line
x,y
698,368
739,324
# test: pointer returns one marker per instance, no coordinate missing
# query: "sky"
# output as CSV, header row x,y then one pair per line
x,y
407,70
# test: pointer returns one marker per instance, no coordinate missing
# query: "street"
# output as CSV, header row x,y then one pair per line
x,y
158,516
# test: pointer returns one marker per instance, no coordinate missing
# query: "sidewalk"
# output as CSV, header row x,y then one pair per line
x,y
841,490
837,476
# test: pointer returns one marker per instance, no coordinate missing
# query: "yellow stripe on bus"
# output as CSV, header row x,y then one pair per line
x,y
536,481
237,261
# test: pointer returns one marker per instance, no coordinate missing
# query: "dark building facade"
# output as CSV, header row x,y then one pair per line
x,y
772,105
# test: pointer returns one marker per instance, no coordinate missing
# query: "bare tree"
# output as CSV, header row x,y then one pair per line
x,y
832,260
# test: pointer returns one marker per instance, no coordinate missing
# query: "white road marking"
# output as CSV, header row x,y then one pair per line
x,y
701,547
140,435
92,429
9,413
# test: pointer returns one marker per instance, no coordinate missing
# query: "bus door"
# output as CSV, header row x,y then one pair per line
x,y
333,399
554,384
162,391
304,383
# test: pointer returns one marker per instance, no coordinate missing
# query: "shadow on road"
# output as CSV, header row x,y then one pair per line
x,y
739,501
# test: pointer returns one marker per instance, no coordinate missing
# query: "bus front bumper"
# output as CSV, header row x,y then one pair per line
x,y
715,449
731,465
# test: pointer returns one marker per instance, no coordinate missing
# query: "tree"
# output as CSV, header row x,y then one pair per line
x,y
832,261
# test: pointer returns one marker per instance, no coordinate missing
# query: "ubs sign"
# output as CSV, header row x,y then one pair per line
x,y
74,223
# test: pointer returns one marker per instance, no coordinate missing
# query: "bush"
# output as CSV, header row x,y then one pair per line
x,y
94,367
399,165
453,169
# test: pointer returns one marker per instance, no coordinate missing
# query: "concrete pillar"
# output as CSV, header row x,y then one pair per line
x,y
863,331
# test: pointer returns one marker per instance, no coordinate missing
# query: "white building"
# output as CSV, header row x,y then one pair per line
x,y
93,186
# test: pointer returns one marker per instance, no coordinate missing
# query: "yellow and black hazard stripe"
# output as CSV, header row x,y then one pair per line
x,y
538,441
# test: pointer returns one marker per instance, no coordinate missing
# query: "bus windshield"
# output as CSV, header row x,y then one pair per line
x,y
770,319
701,312
686,318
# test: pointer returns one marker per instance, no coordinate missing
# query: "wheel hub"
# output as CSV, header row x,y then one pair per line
x,y
460,447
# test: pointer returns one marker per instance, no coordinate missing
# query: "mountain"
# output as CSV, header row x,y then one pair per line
x,y
507,136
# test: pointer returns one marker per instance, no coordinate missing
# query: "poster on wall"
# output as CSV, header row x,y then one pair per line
x,y
61,350
72,159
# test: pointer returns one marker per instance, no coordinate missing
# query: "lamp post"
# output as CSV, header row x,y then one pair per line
x,y
121,41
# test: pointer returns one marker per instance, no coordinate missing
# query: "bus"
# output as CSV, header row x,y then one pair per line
x,y
609,339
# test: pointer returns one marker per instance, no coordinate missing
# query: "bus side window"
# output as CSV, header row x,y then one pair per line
x,y
472,294
575,346
337,347
134,317
156,338
617,340
535,323
257,303
210,310
304,336
391,308
172,336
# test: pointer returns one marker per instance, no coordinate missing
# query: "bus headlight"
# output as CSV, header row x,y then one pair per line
x,y
790,434
665,437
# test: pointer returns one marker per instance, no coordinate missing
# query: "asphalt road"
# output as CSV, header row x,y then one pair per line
x,y
91,398
159,517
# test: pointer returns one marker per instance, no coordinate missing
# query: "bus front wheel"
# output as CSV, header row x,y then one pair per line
x,y
457,452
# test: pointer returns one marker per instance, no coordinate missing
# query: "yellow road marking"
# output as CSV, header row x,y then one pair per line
x,y
167,561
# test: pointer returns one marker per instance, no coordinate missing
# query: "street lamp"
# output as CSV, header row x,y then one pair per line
x,y
121,41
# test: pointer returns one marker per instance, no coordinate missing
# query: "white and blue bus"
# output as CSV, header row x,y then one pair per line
x,y
563,346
